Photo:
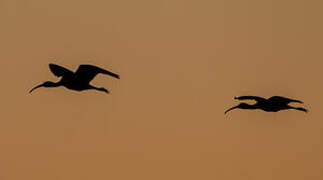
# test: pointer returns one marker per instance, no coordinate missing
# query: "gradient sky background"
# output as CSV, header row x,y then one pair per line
x,y
181,63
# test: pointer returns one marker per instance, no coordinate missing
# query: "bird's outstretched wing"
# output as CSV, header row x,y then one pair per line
x,y
59,70
283,99
256,98
86,72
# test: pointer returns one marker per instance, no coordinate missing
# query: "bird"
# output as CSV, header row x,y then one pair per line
x,y
78,80
272,104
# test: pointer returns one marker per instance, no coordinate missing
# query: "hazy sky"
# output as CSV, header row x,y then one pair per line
x,y
181,63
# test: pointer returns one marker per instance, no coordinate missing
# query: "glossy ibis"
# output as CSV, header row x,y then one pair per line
x,y
272,104
78,80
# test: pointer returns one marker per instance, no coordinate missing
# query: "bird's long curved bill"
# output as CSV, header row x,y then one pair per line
x,y
234,107
35,88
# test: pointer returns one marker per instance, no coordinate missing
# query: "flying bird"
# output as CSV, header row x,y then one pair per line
x,y
79,80
272,104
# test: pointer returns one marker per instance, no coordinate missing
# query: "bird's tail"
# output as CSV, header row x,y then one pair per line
x,y
110,73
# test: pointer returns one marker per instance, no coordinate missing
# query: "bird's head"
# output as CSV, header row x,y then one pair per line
x,y
240,106
45,84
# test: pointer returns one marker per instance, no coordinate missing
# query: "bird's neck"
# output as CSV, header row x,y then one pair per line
x,y
252,106
54,84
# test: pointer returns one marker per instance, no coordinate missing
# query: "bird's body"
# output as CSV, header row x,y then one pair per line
x,y
79,81
272,104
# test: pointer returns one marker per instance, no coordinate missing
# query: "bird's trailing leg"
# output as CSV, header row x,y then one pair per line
x,y
100,89
300,109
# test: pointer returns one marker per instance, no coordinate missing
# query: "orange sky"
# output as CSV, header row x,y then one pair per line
x,y
181,63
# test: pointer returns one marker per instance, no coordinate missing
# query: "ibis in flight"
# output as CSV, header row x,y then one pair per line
x,y
79,80
272,104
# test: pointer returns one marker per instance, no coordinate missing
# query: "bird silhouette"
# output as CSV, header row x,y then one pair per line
x,y
272,104
78,80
